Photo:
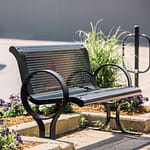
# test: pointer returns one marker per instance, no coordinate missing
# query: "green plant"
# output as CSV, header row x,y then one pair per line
x,y
83,122
100,124
102,49
51,108
9,140
12,108
69,108
129,104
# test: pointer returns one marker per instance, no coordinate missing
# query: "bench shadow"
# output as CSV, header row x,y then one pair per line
x,y
120,141
2,66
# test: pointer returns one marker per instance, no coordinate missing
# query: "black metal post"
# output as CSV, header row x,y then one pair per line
x,y
136,45
136,35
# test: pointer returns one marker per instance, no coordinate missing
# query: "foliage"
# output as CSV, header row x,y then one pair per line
x,y
48,109
102,49
83,122
12,108
15,108
9,140
129,104
100,124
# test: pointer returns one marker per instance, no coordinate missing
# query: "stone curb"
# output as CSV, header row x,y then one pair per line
x,y
48,144
139,123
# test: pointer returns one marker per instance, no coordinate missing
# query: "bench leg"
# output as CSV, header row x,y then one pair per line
x,y
108,117
61,107
118,122
117,119
53,126
36,117
41,127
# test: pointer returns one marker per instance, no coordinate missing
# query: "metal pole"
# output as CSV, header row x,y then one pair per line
x,y
136,44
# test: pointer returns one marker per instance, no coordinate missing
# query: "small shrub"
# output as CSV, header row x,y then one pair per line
x,y
83,122
51,108
100,124
129,104
9,140
12,108
15,108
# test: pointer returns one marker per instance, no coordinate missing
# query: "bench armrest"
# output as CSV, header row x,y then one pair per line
x,y
25,94
118,66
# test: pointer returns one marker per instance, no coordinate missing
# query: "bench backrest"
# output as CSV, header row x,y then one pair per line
x,y
71,61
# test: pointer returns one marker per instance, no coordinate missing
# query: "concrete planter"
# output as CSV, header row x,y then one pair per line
x,y
139,123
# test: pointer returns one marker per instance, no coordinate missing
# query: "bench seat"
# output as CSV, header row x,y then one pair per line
x,y
83,97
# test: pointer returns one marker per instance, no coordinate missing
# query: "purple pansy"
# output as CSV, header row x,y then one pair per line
x,y
6,131
2,102
1,121
18,138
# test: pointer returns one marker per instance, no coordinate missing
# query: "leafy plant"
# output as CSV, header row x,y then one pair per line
x,y
12,108
129,104
51,108
102,49
100,124
9,140
83,122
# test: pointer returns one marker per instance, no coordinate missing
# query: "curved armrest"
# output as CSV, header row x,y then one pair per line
x,y
25,94
118,66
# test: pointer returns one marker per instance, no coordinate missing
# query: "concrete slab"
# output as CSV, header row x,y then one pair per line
x,y
48,144
100,140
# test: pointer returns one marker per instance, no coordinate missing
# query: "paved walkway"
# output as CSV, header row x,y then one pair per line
x,y
99,140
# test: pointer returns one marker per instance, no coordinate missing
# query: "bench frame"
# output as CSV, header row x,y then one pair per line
x,y
26,97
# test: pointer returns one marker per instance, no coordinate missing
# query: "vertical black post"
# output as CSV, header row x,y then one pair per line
x,y
136,44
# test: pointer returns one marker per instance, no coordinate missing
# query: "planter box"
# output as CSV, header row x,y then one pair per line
x,y
139,123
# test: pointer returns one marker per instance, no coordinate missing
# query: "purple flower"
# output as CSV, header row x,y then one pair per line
x,y
140,99
8,104
6,108
1,121
129,99
2,102
11,97
20,103
6,132
18,138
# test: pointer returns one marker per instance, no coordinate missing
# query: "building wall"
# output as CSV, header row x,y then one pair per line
x,y
61,19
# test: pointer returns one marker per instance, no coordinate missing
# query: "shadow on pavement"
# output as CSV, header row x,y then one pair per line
x,y
120,142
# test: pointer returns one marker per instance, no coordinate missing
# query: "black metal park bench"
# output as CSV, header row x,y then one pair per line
x,y
61,74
